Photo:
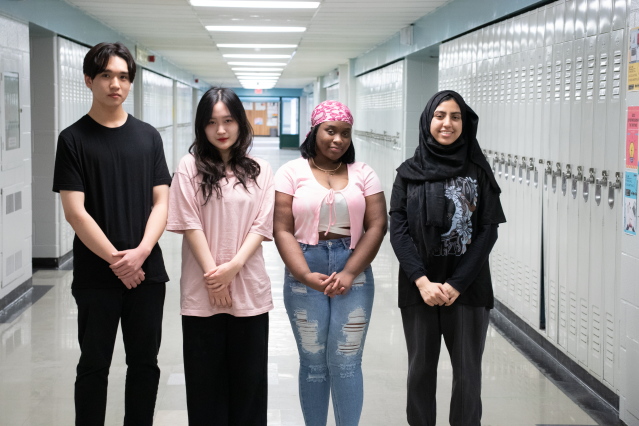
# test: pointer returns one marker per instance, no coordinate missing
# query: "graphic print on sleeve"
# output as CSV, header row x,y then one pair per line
x,y
461,202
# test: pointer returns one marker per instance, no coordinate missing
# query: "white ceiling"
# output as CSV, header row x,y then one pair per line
x,y
336,31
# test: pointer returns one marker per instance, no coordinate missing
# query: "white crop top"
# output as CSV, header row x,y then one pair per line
x,y
334,215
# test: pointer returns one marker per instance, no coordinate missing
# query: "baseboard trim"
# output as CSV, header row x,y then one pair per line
x,y
603,391
51,262
16,293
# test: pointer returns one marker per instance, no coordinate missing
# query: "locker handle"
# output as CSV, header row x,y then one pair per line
x,y
588,181
555,175
611,189
599,183
514,165
578,177
547,171
523,166
508,163
566,176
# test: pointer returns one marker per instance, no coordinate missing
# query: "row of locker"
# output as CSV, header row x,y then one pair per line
x,y
548,87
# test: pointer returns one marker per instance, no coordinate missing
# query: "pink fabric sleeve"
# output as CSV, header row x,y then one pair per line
x,y
263,224
372,184
284,180
184,208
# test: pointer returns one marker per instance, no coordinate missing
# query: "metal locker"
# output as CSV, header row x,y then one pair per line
x,y
599,129
605,16
510,30
613,158
581,9
532,29
16,201
541,26
569,20
619,14
588,194
503,34
592,17
560,10
549,35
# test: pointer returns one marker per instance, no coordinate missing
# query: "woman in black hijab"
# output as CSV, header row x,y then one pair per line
x,y
445,211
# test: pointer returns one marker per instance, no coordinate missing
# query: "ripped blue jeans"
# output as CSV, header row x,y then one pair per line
x,y
330,336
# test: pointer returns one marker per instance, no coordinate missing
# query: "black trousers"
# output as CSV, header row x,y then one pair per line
x,y
225,367
464,329
99,313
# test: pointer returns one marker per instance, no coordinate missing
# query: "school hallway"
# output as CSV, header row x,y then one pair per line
x,y
39,352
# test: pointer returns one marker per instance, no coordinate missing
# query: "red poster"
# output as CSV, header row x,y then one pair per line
x,y
632,133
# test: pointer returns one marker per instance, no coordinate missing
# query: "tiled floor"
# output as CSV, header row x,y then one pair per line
x,y
39,352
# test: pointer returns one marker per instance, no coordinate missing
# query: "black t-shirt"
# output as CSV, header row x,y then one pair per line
x,y
473,214
116,168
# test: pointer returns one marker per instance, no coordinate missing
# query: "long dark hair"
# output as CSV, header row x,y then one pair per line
x,y
308,149
207,157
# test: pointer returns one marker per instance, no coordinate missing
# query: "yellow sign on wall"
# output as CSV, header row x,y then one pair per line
x,y
633,60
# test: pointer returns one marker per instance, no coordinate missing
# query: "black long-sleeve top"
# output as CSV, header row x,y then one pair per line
x,y
474,213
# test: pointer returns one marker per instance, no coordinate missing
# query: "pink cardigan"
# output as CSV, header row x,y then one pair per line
x,y
296,178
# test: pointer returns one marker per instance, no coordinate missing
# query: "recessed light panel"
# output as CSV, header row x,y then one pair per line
x,y
257,69
255,56
259,64
258,46
255,29
258,4
261,74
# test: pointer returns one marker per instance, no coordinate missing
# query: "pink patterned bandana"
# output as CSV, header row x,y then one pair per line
x,y
330,111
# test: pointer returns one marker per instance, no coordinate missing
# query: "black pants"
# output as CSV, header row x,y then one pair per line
x,y
225,366
464,329
99,312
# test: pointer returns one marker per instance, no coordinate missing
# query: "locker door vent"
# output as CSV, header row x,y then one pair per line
x,y
610,335
562,306
535,282
596,330
616,76
583,323
13,263
573,314
512,276
527,285
553,302
520,280
13,202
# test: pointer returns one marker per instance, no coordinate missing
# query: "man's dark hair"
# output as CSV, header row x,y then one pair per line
x,y
308,149
97,59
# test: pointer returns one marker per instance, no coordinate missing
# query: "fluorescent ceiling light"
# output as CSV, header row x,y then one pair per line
x,y
260,74
258,78
259,64
255,29
255,56
259,46
257,69
258,4
257,86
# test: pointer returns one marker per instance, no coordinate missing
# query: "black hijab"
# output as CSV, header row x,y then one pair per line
x,y
434,163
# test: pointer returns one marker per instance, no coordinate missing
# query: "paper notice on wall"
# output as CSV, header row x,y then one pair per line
x,y
260,106
273,109
271,122
633,60
630,204
258,121
248,106
632,136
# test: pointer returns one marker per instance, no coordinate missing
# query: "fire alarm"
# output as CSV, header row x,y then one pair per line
x,y
151,58
197,81
258,91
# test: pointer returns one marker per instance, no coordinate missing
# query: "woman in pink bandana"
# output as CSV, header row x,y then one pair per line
x,y
330,219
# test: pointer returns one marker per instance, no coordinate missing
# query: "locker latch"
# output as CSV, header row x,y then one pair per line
x,y
579,177
611,189
599,183
530,168
588,181
501,163
514,166
523,166
508,163
495,160
564,179
547,171
555,175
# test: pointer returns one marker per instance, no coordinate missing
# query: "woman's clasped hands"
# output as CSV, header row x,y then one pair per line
x,y
436,294
336,284
218,279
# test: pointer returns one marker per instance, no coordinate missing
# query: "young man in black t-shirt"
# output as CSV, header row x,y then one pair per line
x,y
113,179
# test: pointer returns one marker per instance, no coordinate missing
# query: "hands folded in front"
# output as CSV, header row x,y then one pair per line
x,y
436,293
